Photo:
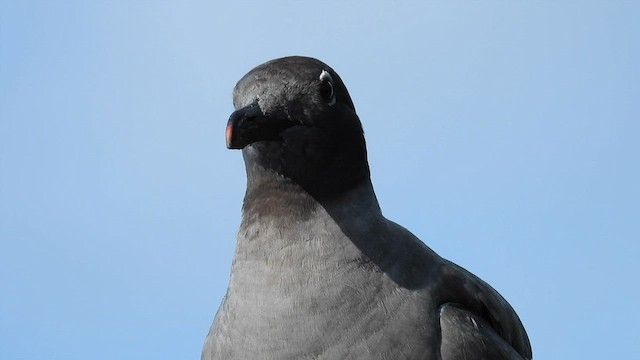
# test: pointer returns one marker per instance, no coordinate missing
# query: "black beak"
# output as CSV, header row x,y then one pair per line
x,y
249,124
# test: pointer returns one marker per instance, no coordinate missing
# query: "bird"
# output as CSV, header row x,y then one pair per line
x,y
318,272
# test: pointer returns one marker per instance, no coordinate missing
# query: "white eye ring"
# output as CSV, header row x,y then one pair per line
x,y
325,76
326,87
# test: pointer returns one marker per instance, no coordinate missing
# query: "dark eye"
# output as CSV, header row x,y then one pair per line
x,y
326,88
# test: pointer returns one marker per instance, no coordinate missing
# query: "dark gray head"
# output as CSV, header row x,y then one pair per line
x,y
295,119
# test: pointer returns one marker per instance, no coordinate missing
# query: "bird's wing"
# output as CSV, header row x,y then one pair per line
x,y
468,336
476,322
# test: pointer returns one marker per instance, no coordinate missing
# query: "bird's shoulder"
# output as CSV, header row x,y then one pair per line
x,y
460,295
466,296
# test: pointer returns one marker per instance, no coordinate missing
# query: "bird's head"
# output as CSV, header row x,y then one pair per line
x,y
294,118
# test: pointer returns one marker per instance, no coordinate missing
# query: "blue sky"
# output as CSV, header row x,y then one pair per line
x,y
503,134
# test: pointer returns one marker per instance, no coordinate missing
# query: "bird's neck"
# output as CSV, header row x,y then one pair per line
x,y
279,213
272,196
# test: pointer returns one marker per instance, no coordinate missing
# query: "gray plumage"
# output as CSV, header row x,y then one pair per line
x,y
318,271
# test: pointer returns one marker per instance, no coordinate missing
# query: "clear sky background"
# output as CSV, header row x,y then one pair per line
x,y
503,133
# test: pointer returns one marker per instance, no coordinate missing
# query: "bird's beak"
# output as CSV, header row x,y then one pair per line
x,y
248,125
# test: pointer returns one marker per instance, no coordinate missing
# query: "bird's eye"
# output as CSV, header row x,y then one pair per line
x,y
326,90
326,87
